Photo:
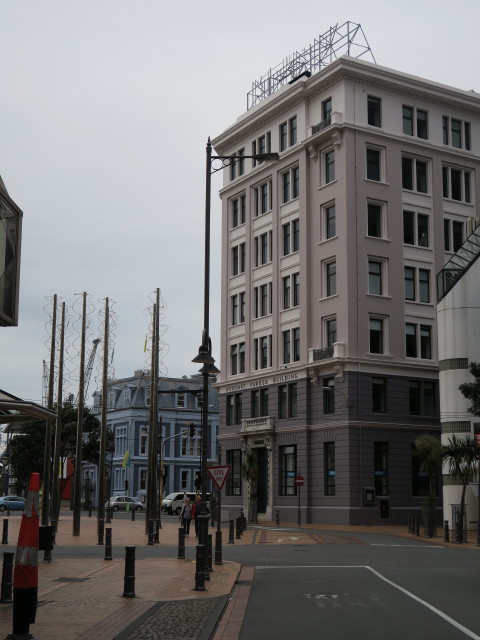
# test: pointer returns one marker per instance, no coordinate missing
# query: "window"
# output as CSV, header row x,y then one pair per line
x,y
414,174
327,110
456,133
143,480
263,144
380,465
234,409
456,184
329,221
330,278
234,480
417,284
374,106
291,237
263,300
329,395
234,359
290,184
288,470
262,248
375,220
379,395
287,400
238,208
412,346
126,396
238,308
376,331
237,166
120,441
330,331
288,133
238,259
263,352
452,234
263,198
422,398
329,466
180,396
259,399
190,447
415,229
415,122
374,164
375,277
291,291
143,444
329,162
291,345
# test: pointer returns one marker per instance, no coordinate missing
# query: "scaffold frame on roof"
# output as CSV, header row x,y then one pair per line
x,y
346,39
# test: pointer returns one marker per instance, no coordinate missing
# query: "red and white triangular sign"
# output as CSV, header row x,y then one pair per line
x,y
219,474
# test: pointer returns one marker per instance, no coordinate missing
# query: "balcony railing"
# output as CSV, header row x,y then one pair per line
x,y
257,424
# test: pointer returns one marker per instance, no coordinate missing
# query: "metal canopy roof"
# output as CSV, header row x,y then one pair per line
x,y
13,409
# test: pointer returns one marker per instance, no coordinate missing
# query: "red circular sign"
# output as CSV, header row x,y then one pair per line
x,y
299,481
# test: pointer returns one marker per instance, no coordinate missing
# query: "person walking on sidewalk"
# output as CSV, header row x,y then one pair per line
x,y
186,516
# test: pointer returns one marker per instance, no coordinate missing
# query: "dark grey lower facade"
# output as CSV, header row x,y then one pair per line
x,y
351,442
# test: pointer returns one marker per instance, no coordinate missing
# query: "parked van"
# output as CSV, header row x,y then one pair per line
x,y
174,501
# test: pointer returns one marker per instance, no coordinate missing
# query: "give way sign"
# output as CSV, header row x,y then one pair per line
x,y
219,474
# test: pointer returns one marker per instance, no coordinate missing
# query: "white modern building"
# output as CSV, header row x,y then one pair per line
x,y
329,359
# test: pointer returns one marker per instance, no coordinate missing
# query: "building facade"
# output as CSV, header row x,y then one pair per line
x,y
179,406
329,359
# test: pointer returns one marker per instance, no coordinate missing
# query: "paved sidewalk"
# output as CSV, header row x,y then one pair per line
x,y
83,599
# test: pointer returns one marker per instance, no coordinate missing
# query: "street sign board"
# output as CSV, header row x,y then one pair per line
x,y
299,481
219,474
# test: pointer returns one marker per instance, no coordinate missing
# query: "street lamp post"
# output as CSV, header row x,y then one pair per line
x,y
204,356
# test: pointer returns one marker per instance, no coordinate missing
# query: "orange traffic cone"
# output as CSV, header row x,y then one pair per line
x,y
25,574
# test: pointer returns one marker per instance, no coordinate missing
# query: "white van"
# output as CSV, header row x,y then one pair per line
x,y
174,501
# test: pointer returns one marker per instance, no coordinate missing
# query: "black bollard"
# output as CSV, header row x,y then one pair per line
x,y
244,522
53,524
7,578
5,532
409,525
181,544
108,543
100,530
446,533
200,569
150,532
133,515
277,518
129,578
209,566
238,528
156,532
107,516
218,547
417,526
231,532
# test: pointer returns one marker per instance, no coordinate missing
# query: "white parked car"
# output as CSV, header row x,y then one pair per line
x,y
123,502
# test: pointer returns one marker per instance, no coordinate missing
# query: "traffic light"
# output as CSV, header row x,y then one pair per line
x,y
126,485
192,429
198,480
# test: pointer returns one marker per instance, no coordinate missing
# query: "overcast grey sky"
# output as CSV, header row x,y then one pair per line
x,y
105,109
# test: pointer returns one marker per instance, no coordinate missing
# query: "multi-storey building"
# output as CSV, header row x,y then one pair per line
x,y
329,343
179,406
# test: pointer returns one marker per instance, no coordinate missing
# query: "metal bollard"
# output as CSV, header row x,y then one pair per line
x,y
218,547
108,543
53,524
277,518
209,566
100,530
238,528
231,532
156,532
7,578
409,525
150,532
200,569
5,532
446,533
417,526
107,516
129,578
244,523
133,515
181,544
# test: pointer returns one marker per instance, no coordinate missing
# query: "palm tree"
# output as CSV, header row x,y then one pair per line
x,y
461,456
429,451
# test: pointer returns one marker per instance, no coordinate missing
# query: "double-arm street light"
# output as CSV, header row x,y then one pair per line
x,y
204,356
